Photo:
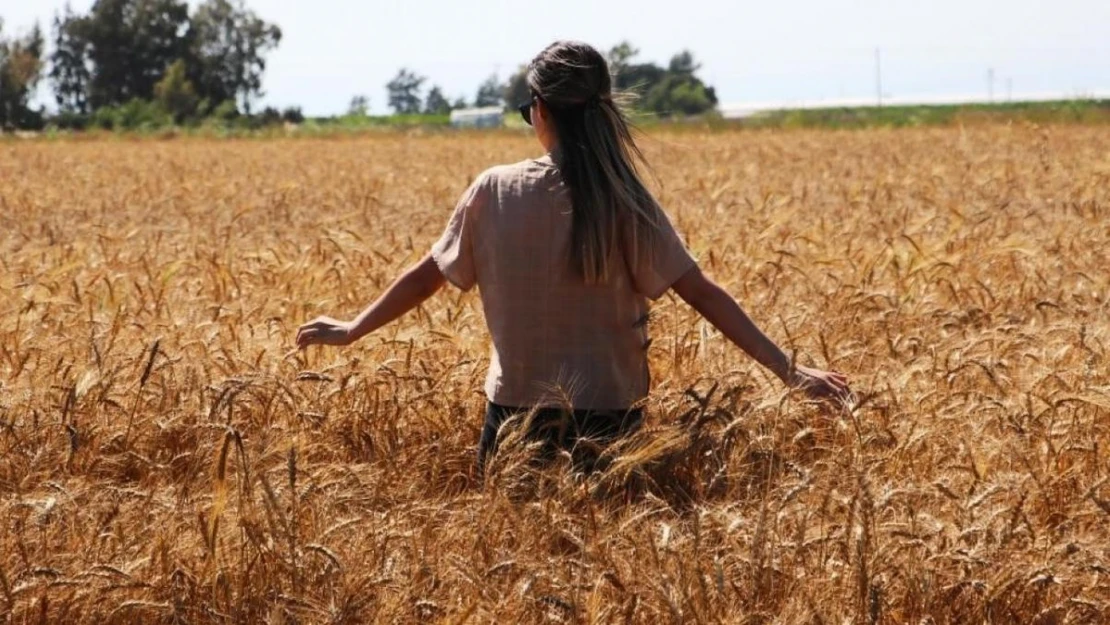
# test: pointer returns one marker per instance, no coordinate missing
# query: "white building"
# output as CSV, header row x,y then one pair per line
x,y
485,117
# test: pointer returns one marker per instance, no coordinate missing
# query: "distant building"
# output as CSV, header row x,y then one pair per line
x,y
485,117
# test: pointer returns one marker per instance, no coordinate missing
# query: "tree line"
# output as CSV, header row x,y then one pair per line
x,y
133,62
153,63
663,91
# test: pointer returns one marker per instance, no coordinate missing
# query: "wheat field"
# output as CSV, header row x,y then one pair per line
x,y
167,457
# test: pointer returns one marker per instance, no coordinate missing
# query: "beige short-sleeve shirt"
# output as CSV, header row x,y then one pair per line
x,y
555,338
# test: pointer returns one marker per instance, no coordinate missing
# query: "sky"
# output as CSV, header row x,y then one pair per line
x,y
751,51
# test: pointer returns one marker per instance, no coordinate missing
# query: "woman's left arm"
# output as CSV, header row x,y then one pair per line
x,y
720,309
420,282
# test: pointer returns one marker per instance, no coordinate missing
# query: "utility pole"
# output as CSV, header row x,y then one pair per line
x,y
878,78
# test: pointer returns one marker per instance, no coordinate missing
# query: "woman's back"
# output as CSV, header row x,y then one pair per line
x,y
565,250
556,338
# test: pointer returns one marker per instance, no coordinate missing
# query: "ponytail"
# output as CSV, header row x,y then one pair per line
x,y
612,209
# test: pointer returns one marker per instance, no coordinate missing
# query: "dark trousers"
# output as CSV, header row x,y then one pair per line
x,y
557,429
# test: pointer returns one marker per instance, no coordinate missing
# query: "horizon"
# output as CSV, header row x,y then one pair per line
x,y
996,50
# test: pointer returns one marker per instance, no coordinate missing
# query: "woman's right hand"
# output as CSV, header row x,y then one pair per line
x,y
324,331
819,384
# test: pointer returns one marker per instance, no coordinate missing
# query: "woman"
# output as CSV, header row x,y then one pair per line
x,y
566,250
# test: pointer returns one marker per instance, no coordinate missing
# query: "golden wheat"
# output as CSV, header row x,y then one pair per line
x,y
165,457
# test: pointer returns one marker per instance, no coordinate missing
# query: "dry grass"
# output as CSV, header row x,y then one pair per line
x,y
164,459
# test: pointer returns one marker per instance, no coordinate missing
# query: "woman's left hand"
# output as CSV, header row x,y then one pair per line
x,y
324,331
820,384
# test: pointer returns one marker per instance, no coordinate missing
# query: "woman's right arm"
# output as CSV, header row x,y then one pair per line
x,y
417,284
720,309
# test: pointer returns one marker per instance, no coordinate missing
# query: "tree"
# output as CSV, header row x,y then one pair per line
x,y
404,92
620,56
69,63
459,103
269,116
637,78
683,63
436,103
292,115
359,106
679,94
489,92
20,71
176,94
679,91
117,52
130,44
516,90
230,43
120,49
670,91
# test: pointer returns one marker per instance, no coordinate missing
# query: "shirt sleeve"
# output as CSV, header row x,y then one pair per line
x,y
657,269
454,251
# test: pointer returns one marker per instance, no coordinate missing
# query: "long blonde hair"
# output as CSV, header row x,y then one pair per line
x,y
598,158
